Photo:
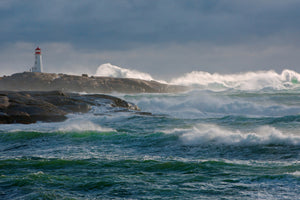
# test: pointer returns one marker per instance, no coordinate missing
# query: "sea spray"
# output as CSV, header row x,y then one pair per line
x,y
249,81
203,104
118,72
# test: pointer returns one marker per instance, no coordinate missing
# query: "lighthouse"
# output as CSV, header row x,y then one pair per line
x,y
38,64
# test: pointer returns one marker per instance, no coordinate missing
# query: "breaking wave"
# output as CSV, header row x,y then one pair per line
x,y
110,70
288,79
248,81
202,104
213,134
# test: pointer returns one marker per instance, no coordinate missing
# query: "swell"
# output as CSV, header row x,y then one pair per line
x,y
103,166
246,121
230,129
139,178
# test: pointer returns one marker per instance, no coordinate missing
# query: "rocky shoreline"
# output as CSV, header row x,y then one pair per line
x,y
35,81
29,97
30,107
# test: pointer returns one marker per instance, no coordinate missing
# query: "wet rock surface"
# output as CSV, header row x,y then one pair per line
x,y
53,106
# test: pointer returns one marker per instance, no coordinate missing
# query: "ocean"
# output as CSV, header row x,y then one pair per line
x,y
229,137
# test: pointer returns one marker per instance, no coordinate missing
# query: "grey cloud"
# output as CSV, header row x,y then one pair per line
x,y
128,24
160,37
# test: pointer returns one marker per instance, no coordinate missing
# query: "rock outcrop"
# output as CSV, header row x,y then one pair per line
x,y
35,81
30,107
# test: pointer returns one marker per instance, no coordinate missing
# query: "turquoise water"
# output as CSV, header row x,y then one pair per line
x,y
202,144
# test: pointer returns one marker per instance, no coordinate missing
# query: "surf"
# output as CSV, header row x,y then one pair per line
x,y
243,81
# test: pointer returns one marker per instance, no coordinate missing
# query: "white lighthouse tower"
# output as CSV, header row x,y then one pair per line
x,y
38,64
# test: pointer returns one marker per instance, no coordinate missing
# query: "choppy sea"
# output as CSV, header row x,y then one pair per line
x,y
232,137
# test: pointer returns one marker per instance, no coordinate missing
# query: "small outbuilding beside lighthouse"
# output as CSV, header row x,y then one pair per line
x,y
38,64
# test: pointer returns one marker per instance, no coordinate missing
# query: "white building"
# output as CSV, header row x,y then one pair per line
x,y
38,64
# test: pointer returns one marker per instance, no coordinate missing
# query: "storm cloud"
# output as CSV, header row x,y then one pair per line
x,y
166,35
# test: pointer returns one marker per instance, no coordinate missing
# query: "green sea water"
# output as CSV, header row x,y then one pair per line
x,y
202,144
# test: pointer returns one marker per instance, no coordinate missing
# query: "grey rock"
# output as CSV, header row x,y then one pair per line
x,y
53,106
4,102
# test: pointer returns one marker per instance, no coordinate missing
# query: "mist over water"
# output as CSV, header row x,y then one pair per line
x,y
230,136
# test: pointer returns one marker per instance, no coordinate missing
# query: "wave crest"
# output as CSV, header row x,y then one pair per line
x,y
110,70
213,134
248,81
244,81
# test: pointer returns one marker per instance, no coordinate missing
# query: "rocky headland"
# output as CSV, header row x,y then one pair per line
x,y
30,107
35,81
29,97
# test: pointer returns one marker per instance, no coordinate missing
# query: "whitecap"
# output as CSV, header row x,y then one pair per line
x,y
204,134
296,173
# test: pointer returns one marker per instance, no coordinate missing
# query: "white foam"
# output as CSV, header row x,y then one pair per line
x,y
213,134
82,125
110,70
78,123
248,81
296,173
242,81
201,103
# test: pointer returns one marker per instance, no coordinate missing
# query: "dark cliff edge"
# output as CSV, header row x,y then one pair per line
x,y
30,107
35,81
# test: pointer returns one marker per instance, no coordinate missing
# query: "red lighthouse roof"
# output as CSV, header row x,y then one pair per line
x,y
37,50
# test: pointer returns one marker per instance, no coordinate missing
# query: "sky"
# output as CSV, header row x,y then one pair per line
x,y
165,38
